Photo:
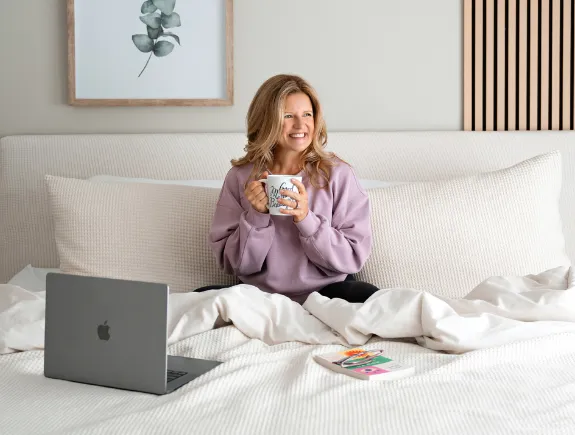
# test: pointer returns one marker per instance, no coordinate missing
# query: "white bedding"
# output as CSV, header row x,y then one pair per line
x,y
516,375
32,278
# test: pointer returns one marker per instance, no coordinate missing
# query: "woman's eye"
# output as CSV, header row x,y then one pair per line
x,y
305,115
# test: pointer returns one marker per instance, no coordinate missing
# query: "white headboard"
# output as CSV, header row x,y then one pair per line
x,y
26,235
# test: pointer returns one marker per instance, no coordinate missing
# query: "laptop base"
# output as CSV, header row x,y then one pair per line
x,y
193,367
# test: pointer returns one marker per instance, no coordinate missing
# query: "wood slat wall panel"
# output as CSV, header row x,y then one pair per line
x,y
518,64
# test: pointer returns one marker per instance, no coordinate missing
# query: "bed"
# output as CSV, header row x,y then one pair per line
x,y
493,353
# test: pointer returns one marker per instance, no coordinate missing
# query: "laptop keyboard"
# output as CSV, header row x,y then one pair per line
x,y
173,374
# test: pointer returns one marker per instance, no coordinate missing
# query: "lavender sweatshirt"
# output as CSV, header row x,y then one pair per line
x,y
278,255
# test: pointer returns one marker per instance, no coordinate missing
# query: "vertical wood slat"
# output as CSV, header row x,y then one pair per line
x,y
501,67
572,64
478,65
467,65
522,72
555,64
512,65
534,66
544,103
567,65
518,64
489,63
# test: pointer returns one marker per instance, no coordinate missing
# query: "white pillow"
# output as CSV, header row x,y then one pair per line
x,y
366,183
116,179
375,184
147,232
448,236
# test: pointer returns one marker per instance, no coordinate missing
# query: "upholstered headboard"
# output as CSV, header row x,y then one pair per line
x,y
26,234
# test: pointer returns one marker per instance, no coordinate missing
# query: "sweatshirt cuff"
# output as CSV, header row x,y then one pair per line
x,y
309,225
257,219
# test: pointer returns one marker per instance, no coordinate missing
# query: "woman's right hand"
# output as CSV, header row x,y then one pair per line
x,y
256,194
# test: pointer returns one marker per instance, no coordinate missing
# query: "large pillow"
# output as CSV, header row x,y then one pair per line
x,y
148,232
446,237
116,179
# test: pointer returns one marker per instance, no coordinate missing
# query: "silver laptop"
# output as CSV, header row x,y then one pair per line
x,y
113,333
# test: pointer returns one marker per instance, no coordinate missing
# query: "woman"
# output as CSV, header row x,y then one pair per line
x,y
325,235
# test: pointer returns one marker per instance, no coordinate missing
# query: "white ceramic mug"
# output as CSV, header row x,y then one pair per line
x,y
275,183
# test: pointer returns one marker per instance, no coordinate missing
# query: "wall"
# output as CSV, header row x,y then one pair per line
x,y
377,65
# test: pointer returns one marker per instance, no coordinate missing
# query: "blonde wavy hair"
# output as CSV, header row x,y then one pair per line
x,y
264,127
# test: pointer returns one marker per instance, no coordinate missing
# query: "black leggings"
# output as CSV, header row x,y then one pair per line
x,y
349,290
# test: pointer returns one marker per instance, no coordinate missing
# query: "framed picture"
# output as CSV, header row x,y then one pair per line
x,y
150,52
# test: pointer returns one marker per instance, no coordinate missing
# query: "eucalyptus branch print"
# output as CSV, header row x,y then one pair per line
x,y
159,16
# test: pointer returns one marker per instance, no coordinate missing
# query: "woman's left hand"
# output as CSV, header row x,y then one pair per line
x,y
298,201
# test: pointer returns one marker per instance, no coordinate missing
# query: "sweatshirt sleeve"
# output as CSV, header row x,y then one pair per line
x,y
344,245
240,238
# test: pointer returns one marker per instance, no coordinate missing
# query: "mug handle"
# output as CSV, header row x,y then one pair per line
x,y
265,181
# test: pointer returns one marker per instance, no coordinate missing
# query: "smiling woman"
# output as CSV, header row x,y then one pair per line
x,y
328,238
297,131
284,108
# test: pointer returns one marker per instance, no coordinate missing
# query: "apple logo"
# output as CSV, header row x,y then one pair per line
x,y
104,331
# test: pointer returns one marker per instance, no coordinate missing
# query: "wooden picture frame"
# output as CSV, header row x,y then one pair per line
x,y
103,62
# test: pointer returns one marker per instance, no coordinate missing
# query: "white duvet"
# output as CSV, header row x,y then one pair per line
x,y
500,360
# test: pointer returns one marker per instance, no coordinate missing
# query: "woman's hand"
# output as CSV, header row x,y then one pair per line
x,y
298,201
256,194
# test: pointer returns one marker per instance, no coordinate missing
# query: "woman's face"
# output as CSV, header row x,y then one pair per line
x,y
298,123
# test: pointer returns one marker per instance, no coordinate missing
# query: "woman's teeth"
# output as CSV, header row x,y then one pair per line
x,y
297,135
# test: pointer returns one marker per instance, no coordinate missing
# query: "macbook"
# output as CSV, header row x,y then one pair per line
x,y
113,333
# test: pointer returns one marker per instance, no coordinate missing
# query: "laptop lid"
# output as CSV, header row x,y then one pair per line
x,y
106,332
